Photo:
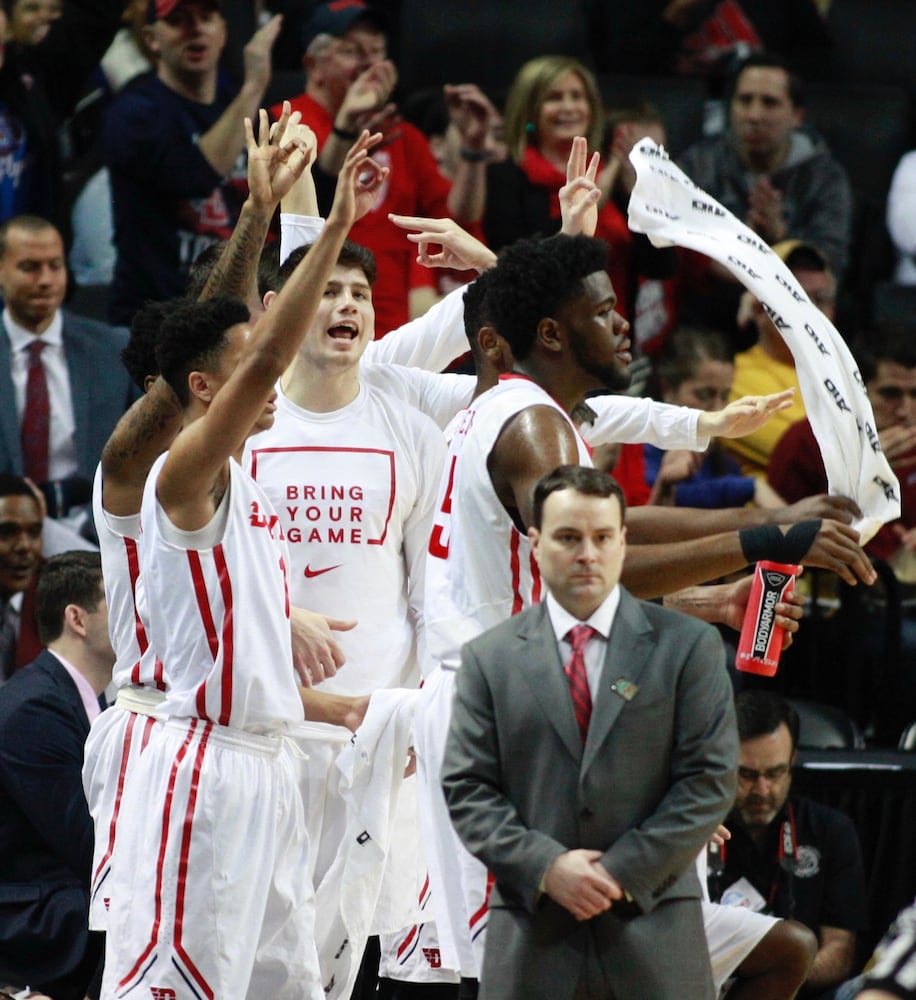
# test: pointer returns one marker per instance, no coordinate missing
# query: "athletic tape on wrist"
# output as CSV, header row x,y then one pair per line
x,y
766,541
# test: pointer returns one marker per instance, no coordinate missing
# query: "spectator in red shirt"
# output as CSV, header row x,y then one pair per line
x,y
349,81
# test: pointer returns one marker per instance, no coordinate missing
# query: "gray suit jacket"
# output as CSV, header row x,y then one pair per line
x,y
99,383
656,775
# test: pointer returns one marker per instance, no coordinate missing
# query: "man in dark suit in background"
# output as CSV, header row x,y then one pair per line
x,y
62,385
591,819
45,827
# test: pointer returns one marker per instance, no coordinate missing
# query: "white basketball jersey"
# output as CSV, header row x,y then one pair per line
x,y
136,663
355,491
219,616
480,568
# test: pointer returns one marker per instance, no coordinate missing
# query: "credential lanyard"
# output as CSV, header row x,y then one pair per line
x,y
786,857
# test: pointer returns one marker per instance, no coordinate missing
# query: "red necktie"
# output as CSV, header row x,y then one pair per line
x,y
578,637
36,419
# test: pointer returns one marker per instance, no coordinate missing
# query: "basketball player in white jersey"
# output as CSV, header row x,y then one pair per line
x,y
143,434
352,472
362,510
565,338
225,913
119,734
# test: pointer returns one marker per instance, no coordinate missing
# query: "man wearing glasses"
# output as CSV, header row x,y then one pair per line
x,y
789,856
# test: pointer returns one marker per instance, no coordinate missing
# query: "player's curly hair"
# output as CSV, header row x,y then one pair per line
x,y
534,278
139,356
192,338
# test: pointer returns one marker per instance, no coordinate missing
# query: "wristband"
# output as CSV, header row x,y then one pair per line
x,y
766,541
344,134
474,155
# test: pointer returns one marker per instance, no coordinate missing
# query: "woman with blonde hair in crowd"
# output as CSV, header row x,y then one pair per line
x,y
552,100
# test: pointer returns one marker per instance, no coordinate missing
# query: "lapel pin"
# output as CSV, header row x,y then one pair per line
x,y
626,689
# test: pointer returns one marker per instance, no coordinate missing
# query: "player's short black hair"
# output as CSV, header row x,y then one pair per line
x,y
536,277
139,356
476,308
202,267
351,255
268,269
192,337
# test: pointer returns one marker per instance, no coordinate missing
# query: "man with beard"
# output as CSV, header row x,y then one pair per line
x,y
553,304
793,857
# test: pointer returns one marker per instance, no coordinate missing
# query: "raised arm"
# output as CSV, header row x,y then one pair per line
x,y
580,195
471,112
270,178
196,464
225,139
139,438
150,425
457,248
364,106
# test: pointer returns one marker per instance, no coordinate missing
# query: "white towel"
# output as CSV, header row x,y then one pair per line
x,y
670,209
348,898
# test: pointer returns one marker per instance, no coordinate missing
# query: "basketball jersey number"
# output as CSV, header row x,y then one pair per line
x,y
439,536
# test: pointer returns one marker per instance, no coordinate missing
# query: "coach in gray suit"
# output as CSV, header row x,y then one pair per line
x,y
88,386
591,819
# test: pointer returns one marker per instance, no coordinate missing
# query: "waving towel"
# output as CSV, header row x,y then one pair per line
x,y
670,209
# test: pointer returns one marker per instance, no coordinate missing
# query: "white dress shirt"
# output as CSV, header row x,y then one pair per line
x,y
62,458
602,620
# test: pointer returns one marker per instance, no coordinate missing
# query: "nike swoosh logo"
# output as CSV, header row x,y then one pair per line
x,y
312,573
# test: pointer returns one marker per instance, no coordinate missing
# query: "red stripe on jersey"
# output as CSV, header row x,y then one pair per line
x,y
163,844
206,617
517,602
515,376
482,911
203,602
133,572
158,674
424,890
122,770
485,905
535,579
147,729
133,569
405,944
187,828
228,644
